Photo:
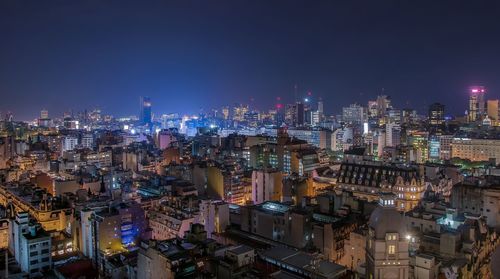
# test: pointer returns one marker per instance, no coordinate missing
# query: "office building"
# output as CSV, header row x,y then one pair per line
x,y
436,114
493,112
477,105
353,114
145,112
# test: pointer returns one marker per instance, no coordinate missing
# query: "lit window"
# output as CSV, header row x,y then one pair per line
x,y
391,249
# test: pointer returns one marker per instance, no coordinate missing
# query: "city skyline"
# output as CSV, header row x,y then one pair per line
x,y
191,55
229,139
306,98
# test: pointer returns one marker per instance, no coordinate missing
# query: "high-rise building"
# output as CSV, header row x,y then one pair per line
x,y
392,134
372,110
408,116
320,109
300,114
295,114
44,120
492,109
353,114
87,141
225,113
436,114
30,244
289,114
394,116
146,115
477,105
44,114
383,103
69,143
239,112
315,118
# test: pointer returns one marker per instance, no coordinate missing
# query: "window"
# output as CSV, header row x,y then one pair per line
x,y
45,251
34,262
391,249
35,253
391,237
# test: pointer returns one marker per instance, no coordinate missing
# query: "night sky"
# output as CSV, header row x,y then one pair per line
x,y
185,55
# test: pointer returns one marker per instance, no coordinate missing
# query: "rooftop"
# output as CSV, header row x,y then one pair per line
x,y
240,249
303,263
274,207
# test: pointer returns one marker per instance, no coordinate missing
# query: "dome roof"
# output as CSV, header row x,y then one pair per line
x,y
387,220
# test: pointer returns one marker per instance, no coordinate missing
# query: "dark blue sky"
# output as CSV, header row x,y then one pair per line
x,y
63,55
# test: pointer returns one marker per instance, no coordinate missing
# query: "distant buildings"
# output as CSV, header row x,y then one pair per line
x,y
241,192
477,105
69,143
436,114
145,110
354,114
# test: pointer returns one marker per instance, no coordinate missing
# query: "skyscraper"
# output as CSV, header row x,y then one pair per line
x,y
320,107
436,114
492,109
300,117
145,117
383,103
295,114
44,114
354,114
477,105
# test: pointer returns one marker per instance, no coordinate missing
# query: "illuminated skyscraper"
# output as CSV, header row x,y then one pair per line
x,y
354,114
492,109
477,105
239,112
300,114
295,114
372,110
44,114
44,120
320,108
383,103
145,117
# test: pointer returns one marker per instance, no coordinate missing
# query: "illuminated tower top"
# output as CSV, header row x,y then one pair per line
x,y
477,105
